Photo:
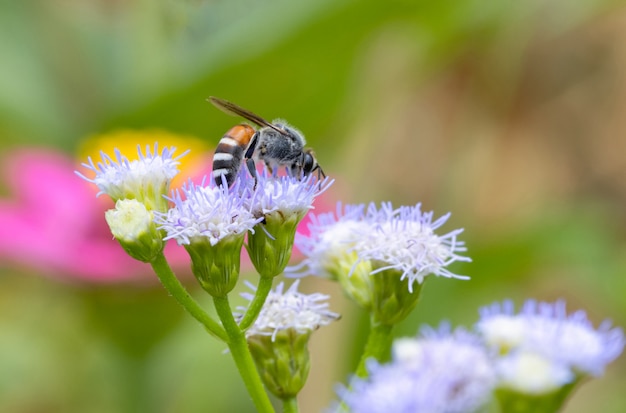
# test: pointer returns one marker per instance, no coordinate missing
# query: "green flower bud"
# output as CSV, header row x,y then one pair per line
x,y
517,402
132,225
281,203
354,277
211,223
392,301
282,360
271,243
279,337
216,266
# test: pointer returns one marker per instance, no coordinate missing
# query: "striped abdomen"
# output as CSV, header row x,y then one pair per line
x,y
229,153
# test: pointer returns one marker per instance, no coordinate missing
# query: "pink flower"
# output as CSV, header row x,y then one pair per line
x,y
55,225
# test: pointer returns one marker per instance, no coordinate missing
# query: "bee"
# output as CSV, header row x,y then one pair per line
x,y
229,153
276,144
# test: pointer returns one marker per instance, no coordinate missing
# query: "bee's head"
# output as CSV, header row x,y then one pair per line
x,y
310,165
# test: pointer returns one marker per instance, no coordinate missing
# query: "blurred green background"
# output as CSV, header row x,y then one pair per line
x,y
511,115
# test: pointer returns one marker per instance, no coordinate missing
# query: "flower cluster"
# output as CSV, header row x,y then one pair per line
x,y
279,337
381,256
145,179
441,371
401,239
529,361
138,188
281,203
542,348
290,309
206,212
288,195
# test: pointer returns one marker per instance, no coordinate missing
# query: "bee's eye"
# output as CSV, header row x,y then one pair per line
x,y
308,163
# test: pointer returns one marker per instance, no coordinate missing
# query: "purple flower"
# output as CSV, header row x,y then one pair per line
x,y
285,195
440,372
210,213
543,334
401,239
291,309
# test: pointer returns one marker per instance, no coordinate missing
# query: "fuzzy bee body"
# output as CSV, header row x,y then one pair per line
x,y
277,144
275,149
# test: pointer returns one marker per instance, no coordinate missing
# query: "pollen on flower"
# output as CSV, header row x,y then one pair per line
x,y
291,310
209,212
145,179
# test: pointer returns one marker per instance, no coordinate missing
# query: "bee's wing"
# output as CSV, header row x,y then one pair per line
x,y
232,109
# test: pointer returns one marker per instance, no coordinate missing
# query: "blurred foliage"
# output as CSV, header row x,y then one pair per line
x,y
508,114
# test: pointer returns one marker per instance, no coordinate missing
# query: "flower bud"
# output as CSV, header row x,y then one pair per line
x,y
211,222
216,266
279,337
132,225
281,203
282,360
392,301
271,243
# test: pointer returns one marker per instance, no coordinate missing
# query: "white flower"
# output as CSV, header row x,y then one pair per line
x,y
331,237
211,213
531,373
129,220
440,372
146,179
547,330
291,310
503,332
281,203
131,223
402,239
285,194
405,240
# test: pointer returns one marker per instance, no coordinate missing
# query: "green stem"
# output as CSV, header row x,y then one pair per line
x,y
241,354
176,290
290,405
378,346
262,290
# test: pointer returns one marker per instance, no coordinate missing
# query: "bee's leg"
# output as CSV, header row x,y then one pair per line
x,y
252,146
273,172
320,173
252,169
249,154
291,170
